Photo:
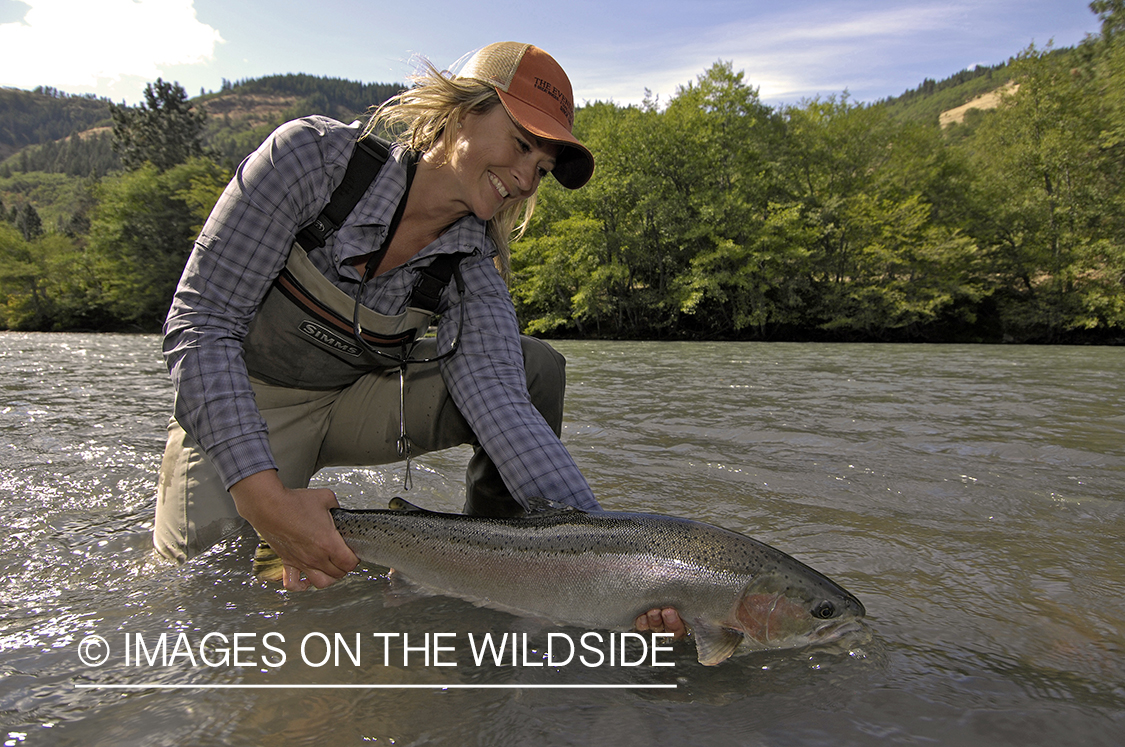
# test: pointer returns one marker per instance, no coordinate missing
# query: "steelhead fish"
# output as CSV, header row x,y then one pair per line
x,y
601,570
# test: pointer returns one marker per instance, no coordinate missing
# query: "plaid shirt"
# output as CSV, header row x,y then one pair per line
x,y
244,245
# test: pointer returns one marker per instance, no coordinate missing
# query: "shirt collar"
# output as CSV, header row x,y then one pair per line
x,y
382,198
366,227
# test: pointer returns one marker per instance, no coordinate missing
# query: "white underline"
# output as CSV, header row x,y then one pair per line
x,y
375,687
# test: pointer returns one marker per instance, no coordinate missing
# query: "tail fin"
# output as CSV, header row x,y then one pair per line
x,y
268,567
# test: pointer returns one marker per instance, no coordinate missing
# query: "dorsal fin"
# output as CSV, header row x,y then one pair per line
x,y
399,503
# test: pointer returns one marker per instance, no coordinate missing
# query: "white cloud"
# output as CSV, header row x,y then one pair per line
x,y
791,54
73,44
866,25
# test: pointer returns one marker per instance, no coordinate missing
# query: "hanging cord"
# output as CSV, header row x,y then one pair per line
x,y
404,357
403,439
404,360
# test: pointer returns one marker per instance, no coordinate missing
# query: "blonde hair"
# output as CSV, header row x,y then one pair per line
x,y
434,108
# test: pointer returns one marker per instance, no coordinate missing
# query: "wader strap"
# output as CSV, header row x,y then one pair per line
x,y
367,160
432,280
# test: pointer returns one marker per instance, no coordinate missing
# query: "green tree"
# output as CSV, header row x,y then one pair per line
x,y
29,223
671,183
563,280
712,215
758,285
600,216
142,231
726,142
1112,15
881,202
1042,165
165,130
45,284
27,304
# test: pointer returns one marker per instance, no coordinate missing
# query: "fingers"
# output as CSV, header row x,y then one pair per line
x,y
298,527
332,558
658,620
292,579
322,562
650,620
672,622
297,580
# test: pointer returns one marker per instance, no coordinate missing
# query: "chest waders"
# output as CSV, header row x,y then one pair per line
x,y
309,334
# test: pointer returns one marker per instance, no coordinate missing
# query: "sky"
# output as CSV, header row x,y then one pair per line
x,y
612,50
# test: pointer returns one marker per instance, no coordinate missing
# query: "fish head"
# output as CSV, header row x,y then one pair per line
x,y
788,609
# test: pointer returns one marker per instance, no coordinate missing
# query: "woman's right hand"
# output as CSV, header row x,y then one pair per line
x,y
297,525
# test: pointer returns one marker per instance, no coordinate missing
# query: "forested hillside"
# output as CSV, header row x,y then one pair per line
x,y
242,114
711,215
927,102
111,196
48,131
45,115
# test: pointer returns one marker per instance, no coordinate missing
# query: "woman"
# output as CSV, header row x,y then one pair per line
x,y
268,388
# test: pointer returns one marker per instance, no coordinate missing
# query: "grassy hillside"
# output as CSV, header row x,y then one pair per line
x,y
54,146
39,130
714,216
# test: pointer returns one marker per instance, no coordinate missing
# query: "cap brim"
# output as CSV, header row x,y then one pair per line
x,y
575,163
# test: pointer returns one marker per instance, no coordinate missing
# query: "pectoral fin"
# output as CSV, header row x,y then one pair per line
x,y
714,644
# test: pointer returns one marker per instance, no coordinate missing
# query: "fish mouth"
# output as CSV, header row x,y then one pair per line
x,y
834,631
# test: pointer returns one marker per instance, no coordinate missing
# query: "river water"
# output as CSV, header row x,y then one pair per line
x,y
973,497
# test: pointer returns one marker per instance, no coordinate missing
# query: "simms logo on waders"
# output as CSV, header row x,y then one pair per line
x,y
325,336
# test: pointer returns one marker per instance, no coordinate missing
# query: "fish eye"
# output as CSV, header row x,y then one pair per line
x,y
825,610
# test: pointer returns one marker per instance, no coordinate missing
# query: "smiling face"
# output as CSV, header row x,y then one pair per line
x,y
497,162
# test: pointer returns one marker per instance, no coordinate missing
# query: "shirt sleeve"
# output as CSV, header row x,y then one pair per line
x,y
488,384
240,250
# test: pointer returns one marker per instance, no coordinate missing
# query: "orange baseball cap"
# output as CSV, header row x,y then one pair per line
x,y
537,94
